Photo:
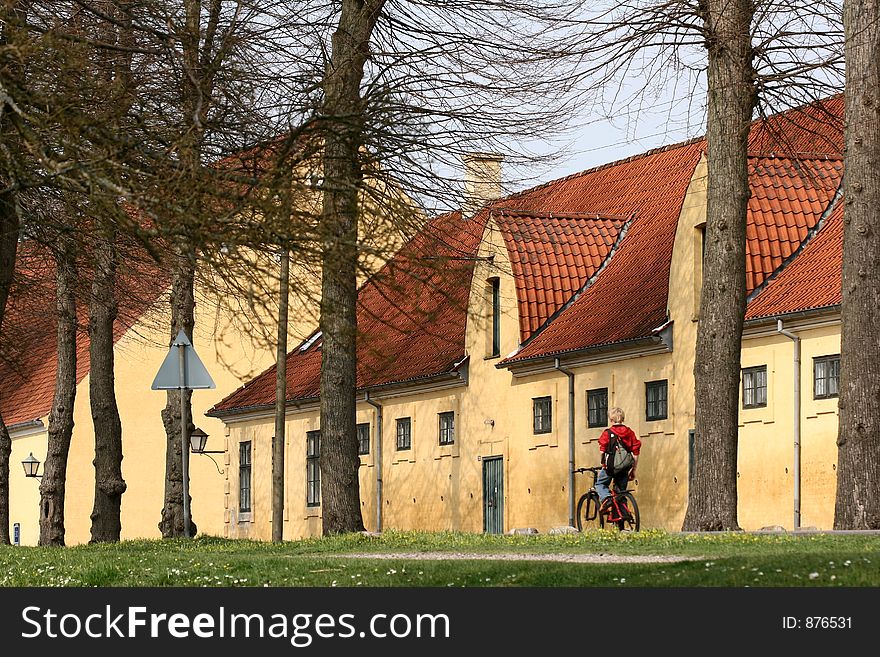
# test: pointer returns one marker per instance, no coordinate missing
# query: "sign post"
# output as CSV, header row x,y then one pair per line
x,y
183,370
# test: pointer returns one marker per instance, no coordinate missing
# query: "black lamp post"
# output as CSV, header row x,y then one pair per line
x,y
31,467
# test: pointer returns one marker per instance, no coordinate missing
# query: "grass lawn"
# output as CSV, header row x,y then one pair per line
x,y
726,559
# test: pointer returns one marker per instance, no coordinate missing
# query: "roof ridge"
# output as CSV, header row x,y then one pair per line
x,y
795,155
607,165
563,215
686,142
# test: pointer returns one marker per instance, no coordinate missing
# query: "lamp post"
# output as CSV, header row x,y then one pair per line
x,y
31,467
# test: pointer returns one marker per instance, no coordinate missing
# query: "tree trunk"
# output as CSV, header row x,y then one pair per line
x,y
5,451
8,247
343,116
858,439
109,484
280,399
12,15
53,484
182,318
712,497
196,83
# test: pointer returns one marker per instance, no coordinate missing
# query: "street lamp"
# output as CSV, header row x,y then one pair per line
x,y
31,467
198,439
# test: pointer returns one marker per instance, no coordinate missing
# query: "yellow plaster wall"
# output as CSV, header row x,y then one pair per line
x,y
766,471
139,354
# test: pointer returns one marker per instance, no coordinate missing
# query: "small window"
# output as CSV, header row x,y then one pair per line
x,y
363,436
244,477
826,377
447,428
313,468
754,387
656,397
543,418
597,407
404,433
495,285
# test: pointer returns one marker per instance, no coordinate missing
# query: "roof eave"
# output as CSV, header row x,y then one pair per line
x,y
455,376
757,324
619,350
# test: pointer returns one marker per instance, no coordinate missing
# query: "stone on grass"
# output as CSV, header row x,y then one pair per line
x,y
563,530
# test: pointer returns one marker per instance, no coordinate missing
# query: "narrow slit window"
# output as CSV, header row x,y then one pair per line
x,y
313,468
244,477
495,284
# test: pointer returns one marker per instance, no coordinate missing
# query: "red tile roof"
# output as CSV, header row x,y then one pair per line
x,y
28,363
552,256
788,197
411,318
652,187
812,280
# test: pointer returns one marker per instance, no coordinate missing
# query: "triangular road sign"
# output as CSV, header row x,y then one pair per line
x,y
195,375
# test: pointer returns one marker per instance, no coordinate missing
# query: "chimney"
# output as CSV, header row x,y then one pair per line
x,y
482,181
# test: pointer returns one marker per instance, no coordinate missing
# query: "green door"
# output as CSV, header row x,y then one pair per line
x,y
493,495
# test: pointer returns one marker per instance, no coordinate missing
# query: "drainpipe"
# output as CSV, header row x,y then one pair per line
x,y
378,408
797,421
570,376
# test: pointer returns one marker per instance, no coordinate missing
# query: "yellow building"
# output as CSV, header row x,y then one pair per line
x,y
235,333
492,346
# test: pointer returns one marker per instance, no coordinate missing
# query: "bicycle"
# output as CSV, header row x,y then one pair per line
x,y
623,513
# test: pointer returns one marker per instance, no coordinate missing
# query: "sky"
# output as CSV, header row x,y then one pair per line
x,y
599,139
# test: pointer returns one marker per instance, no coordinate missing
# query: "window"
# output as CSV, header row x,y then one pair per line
x,y
244,477
447,428
543,409
404,433
826,377
363,435
656,396
755,387
313,468
496,317
597,407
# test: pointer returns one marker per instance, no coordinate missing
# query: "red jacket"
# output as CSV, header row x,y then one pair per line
x,y
626,436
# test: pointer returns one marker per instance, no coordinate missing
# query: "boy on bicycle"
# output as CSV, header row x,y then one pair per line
x,y
630,441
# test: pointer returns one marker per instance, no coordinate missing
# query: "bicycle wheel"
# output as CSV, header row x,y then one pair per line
x,y
587,511
632,521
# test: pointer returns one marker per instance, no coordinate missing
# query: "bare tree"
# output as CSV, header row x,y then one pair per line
x,y
732,98
54,483
756,56
12,17
858,472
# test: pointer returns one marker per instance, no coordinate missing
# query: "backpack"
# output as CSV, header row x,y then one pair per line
x,y
618,458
